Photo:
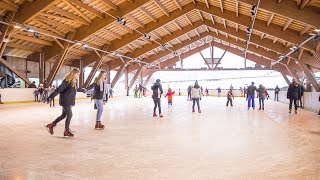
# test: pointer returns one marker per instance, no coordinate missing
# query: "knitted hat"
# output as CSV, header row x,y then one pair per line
x,y
158,80
196,82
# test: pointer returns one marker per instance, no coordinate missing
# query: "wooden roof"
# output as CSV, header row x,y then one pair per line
x,y
182,25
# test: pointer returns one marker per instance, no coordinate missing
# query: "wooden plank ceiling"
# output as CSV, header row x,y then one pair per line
x,y
180,25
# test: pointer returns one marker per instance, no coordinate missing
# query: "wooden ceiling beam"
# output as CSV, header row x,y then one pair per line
x,y
221,5
55,23
207,3
167,30
28,48
77,10
8,7
32,39
304,30
304,3
69,15
108,32
270,19
55,30
286,25
147,13
309,15
87,7
111,4
178,4
237,8
197,32
165,11
187,36
212,19
126,28
200,15
137,22
189,20
177,24
274,30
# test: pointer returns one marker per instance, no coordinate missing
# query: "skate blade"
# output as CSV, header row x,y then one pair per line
x,y
98,128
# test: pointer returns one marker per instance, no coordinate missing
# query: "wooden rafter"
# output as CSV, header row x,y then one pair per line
x,y
167,30
161,7
197,32
55,23
221,5
32,39
200,15
156,35
178,4
77,10
55,30
207,3
118,36
187,36
87,7
270,19
237,8
148,14
304,30
111,4
55,16
28,48
126,28
140,24
304,3
212,19
189,20
289,21
237,27
177,24
9,7
224,23
69,15
178,40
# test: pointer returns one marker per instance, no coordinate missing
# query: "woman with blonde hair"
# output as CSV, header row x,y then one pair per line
x,y
99,96
67,90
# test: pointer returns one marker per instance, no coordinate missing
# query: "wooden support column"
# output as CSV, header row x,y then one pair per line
x,y
41,68
141,78
5,32
147,80
95,68
310,75
118,75
14,70
286,78
205,60
60,60
126,81
308,86
138,73
108,74
220,59
212,54
81,77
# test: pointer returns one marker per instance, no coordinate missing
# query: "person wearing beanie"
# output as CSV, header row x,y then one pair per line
x,y
293,93
196,96
156,96
169,94
250,95
229,98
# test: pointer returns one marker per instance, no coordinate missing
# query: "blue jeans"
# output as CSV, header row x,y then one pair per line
x,y
99,104
250,98
194,102
261,102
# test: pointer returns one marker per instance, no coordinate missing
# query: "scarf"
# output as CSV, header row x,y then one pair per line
x,y
104,88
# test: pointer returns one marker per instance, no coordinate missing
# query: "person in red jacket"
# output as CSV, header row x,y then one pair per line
x,y
169,95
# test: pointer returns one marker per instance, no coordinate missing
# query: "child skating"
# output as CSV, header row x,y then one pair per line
x,y
169,94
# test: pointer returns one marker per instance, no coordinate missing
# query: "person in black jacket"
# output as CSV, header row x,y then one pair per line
x,y
156,96
67,91
293,94
99,96
32,85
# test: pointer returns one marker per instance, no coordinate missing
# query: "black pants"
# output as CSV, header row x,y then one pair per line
x,y
295,104
300,101
36,98
52,102
157,102
66,113
229,100
189,95
276,97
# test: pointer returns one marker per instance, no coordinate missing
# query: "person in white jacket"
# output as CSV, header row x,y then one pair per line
x,y
196,96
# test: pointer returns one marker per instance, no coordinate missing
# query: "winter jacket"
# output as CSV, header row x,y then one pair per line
x,y
97,94
157,90
294,91
32,86
251,90
276,90
169,94
67,94
262,92
196,93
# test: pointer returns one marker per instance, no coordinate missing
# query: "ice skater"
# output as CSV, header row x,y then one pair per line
x,y
67,90
250,95
230,97
196,96
169,94
293,94
100,96
262,94
156,96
